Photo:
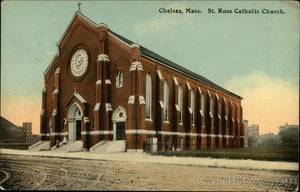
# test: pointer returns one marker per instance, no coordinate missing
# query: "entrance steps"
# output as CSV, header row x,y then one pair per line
x,y
109,146
73,146
40,146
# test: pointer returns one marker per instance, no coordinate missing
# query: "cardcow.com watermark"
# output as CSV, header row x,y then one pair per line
x,y
240,180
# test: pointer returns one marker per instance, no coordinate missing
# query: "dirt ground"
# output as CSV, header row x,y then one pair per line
x,y
44,173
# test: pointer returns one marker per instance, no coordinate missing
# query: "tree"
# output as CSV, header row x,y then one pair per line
x,y
289,136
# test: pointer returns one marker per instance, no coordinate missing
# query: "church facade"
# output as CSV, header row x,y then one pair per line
x,y
103,87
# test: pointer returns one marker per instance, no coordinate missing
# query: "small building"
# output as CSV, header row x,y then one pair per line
x,y
245,125
253,135
102,87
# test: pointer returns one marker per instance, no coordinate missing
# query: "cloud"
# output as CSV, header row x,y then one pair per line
x,y
268,101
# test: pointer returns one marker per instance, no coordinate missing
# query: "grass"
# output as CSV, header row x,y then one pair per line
x,y
19,146
274,153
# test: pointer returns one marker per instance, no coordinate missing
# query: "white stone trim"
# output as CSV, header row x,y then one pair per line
x,y
175,81
134,45
98,82
55,92
86,119
177,108
199,89
57,71
42,112
136,65
208,93
44,90
103,25
54,134
142,100
159,75
54,113
107,81
97,106
135,150
161,104
108,107
104,132
188,85
80,98
103,57
201,112
140,131
131,99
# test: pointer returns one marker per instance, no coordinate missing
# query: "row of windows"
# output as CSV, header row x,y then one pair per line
x,y
148,98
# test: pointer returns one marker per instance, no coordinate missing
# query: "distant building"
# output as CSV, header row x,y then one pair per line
x,y
11,133
253,135
245,125
27,128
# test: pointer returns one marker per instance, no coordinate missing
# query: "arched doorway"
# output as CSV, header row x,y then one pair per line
x,y
74,122
119,117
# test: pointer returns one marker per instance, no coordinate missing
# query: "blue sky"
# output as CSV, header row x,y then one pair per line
x,y
254,55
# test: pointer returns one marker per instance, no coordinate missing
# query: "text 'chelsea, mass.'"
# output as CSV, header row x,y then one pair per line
x,y
180,11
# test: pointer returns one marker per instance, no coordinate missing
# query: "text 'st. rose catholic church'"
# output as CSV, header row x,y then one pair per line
x,y
102,90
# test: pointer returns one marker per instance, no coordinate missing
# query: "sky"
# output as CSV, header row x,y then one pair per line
x,y
253,55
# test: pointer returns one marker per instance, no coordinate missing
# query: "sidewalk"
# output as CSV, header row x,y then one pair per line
x,y
143,157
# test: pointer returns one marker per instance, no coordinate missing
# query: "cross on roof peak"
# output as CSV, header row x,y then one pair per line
x,y
79,4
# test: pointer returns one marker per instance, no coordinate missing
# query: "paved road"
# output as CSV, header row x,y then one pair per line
x,y
143,157
58,172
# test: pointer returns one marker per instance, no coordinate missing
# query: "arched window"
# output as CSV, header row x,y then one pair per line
x,y
193,106
166,100
202,110
180,102
119,79
148,96
212,103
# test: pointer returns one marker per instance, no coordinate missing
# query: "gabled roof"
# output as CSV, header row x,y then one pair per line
x,y
170,64
151,55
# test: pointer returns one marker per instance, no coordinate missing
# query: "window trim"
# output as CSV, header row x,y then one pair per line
x,y
119,79
148,96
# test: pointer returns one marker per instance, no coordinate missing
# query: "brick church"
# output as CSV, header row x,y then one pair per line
x,y
102,88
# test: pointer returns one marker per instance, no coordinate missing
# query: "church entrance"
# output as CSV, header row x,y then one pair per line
x,y
119,118
74,122
120,131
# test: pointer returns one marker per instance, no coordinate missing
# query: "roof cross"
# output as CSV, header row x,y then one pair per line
x,y
79,4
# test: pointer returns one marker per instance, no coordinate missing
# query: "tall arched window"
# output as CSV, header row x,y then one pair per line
x,y
119,79
202,110
193,106
148,96
166,101
180,102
